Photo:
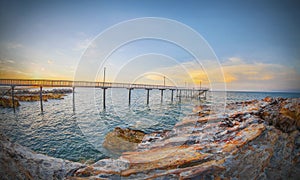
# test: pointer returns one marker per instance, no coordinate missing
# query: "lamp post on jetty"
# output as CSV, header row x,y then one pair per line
x,y
162,90
104,88
200,84
185,89
104,75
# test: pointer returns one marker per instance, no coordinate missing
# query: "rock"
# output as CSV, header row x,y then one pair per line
x,y
122,140
6,101
36,97
268,99
51,91
202,110
104,166
283,114
237,145
18,162
162,158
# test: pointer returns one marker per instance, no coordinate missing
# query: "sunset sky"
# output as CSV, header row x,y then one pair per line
x,y
257,43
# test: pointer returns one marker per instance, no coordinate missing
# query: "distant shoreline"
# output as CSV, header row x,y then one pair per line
x,y
244,91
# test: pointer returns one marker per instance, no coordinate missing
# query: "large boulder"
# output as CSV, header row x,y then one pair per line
x,y
122,140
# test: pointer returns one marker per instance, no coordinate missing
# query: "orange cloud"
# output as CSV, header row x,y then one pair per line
x,y
240,75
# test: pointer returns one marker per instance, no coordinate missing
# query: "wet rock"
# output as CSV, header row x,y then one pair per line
x,y
6,101
122,140
36,97
51,91
18,162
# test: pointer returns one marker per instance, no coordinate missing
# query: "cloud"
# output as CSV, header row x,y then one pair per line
x,y
240,71
154,77
6,61
238,75
12,45
10,61
50,62
83,44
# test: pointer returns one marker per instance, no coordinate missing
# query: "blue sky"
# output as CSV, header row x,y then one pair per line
x,y
45,39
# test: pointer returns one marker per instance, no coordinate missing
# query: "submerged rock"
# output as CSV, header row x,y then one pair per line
x,y
122,140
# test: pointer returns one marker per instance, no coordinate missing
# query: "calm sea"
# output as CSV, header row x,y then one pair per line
x,y
77,134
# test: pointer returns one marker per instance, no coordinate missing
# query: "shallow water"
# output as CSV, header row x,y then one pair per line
x,y
77,134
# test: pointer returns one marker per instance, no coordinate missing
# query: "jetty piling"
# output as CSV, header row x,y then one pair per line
x,y
148,95
172,94
179,95
13,97
73,91
129,96
104,97
161,95
41,97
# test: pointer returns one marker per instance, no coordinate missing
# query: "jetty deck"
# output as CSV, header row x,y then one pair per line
x,y
180,91
68,83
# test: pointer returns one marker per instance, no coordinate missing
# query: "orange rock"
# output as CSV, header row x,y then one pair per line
x,y
292,113
197,109
122,140
210,167
243,137
162,158
7,102
268,99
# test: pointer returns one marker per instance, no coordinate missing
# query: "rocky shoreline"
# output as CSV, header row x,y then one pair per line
x,y
29,96
252,140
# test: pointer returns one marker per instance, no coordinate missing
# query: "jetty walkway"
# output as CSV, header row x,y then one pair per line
x,y
192,92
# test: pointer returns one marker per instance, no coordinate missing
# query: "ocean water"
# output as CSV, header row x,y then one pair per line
x,y
77,132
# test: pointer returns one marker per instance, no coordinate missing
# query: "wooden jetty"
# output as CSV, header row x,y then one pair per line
x,y
180,91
